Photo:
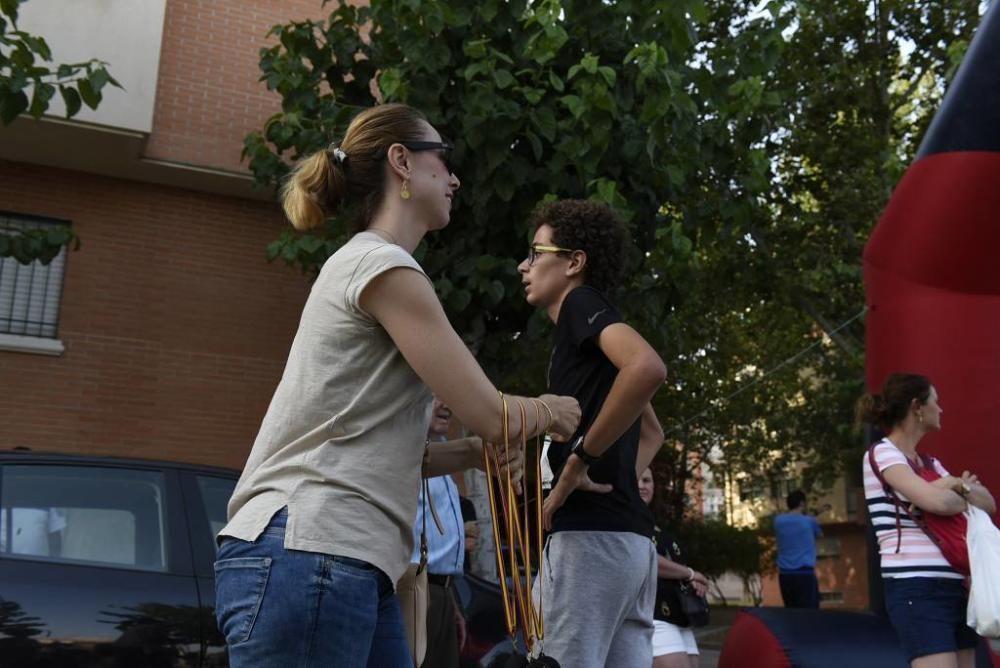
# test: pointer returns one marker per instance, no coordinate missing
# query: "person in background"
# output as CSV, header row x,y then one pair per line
x,y
924,595
797,533
674,646
445,532
320,523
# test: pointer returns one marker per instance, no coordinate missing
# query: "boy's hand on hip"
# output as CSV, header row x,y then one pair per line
x,y
573,477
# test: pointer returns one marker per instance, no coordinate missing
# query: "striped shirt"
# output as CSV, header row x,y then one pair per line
x,y
918,556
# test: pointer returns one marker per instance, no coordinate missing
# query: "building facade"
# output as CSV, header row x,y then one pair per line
x,y
165,333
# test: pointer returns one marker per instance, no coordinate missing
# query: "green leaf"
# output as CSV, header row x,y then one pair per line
x,y
389,82
90,97
486,263
459,300
98,79
495,291
608,74
545,120
503,78
58,235
575,105
475,49
9,7
476,68
676,175
12,105
443,287
38,45
310,244
699,12
533,95
40,100
456,16
488,10
556,82
434,18
536,145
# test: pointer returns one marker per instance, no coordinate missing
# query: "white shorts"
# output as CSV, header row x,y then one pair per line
x,y
670,639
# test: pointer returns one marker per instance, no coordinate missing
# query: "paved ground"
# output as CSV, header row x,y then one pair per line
x,y
708,658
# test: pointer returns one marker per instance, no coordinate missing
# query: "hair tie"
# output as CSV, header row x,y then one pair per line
x,y
339,155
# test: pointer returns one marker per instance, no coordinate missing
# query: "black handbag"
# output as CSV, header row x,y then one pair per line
x,y
694,607
676,601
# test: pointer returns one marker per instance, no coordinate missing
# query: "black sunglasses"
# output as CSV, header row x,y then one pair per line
x,y
444,147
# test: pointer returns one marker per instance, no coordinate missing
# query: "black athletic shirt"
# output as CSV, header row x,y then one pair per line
x,y
579,369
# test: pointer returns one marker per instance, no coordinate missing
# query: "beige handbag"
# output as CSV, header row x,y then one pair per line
x,y
412,586
412,592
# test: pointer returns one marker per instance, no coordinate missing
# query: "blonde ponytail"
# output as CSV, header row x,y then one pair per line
x,y
321,185
313,191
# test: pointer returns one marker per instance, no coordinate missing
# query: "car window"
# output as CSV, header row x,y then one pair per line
x,y
215,493
82,514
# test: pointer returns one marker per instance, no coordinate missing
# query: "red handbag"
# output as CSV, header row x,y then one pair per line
x,y
945,531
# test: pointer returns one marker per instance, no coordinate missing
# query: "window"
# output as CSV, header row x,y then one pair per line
x,y
215,493
30,293
827,546
88,515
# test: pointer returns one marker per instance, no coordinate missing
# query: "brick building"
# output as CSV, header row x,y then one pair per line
x,y
165,334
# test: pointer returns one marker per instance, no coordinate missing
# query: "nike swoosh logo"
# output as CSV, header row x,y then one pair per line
x,y
591,319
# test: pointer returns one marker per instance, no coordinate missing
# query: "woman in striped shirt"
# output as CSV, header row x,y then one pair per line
x,y
925,597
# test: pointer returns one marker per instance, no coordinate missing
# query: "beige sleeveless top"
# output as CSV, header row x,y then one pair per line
x,y
342,441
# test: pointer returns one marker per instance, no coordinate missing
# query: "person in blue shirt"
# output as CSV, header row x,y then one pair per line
x,y
797,533
445,555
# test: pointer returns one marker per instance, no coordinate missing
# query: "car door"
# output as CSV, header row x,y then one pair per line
x,y
206,496
94,567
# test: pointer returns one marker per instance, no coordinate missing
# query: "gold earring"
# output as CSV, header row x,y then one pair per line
x,y
920,418
404,190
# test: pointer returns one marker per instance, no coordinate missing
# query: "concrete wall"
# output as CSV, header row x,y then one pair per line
x,y
124,33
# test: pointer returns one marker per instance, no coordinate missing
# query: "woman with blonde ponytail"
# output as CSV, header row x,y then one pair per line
x,y
320,522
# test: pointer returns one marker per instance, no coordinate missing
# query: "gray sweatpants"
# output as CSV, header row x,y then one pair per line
x,y
597,592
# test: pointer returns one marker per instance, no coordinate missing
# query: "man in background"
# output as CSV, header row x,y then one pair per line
x,y
445,554
797,533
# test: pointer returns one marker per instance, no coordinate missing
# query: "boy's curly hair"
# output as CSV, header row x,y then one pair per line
x,y
593,228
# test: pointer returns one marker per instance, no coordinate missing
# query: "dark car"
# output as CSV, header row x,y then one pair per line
x,y
108,562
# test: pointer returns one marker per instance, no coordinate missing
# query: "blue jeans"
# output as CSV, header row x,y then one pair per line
x,y
286,608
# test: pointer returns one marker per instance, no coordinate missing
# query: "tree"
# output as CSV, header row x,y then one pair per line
x,y
26,69
658,109
716,549
769,357
749,146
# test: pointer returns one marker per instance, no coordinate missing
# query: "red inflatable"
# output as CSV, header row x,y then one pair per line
x,y
932,282
932,268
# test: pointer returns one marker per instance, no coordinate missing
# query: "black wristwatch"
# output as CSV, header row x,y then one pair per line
x,y
577,449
